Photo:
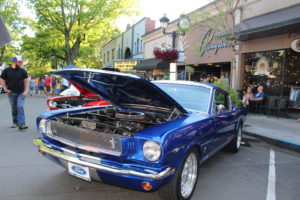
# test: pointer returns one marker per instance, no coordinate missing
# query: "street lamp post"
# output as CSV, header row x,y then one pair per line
x,y
183,24
164,22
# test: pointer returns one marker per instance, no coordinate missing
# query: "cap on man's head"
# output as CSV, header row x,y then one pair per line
x,y
17,59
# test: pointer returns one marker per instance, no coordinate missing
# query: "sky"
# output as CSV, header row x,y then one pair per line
x,y
155,9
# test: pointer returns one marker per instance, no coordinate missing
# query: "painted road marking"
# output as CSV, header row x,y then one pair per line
x,y
271,191
289,141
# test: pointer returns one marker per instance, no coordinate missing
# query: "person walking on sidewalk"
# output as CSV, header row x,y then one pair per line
x,y
41,86
15,83
48,84
32,86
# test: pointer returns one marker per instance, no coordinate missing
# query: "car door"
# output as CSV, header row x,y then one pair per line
x,y
223,117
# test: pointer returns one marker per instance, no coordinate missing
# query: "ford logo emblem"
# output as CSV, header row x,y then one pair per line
x,y
78,170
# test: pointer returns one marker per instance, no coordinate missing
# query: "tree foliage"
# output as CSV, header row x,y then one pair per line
x,y
72,24
15,24
232,92
220,15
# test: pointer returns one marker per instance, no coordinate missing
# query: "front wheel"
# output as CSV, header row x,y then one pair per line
x,y
234,145
183,184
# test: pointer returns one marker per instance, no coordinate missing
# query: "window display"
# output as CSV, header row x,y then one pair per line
x,y
278,71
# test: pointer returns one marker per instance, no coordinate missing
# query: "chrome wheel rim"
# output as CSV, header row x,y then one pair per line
x,y
189,175
239,138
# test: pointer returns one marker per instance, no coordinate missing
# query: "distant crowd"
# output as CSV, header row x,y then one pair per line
x,y
49,85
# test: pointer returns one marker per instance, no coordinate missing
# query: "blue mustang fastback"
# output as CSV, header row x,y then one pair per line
x,y
153,135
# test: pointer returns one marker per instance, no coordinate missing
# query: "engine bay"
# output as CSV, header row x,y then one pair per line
x,y
112,120
62,103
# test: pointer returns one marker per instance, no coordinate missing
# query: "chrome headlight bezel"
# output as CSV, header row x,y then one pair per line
x,y
45,126
152,150
52,104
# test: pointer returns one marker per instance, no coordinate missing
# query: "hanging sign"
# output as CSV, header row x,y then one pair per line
x,y
295,45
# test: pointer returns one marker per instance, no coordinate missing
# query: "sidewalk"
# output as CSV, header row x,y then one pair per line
x,y
281,132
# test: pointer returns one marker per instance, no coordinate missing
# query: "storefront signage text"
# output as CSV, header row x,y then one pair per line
x,y
125,66
209,44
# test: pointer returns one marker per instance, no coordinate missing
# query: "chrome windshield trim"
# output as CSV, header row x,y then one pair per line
x,y
152,175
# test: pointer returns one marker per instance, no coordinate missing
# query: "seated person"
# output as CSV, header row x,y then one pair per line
x,y
257,99
247,97
259,96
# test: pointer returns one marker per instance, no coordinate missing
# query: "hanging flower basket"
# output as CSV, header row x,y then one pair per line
x,y
166,54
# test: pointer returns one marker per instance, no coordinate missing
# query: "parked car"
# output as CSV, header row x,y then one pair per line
x,y
113,69
75,96
153,135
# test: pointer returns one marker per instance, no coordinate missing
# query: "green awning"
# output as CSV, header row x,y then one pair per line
x,y
152,63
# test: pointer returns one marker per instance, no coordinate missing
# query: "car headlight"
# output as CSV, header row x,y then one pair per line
x,y
52,104
151,150
45,126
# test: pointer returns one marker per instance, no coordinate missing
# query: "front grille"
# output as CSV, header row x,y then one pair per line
x,y
89,140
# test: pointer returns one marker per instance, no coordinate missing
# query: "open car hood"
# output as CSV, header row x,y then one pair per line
x,y
120,89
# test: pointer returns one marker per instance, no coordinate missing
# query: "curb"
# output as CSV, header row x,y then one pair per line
x,y
279,142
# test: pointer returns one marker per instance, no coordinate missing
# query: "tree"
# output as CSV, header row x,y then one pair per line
x,y
221,18
75,19
15,24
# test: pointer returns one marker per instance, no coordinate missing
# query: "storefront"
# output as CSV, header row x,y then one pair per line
x,y
269,55
154,69
198,72
204,55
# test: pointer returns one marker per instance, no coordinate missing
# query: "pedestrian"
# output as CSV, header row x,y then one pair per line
x,y
48,84
15,83
31,86
36,85
208,79
41,86
53,85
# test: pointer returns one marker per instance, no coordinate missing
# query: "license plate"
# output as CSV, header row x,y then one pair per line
x,y
79,171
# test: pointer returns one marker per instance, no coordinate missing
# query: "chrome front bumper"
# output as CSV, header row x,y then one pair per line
x,y
95,162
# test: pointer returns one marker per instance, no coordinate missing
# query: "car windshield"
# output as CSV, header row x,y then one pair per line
x,y
195,98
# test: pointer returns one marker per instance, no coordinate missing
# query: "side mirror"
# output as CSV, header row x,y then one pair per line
x,y
220,108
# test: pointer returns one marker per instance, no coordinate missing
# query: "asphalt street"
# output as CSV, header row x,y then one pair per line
x,y
247,175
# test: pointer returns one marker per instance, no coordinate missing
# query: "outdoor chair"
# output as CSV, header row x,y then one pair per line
x,y
255,106
282,106
269,105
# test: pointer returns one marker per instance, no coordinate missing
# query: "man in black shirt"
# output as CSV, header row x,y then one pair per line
x,y
15,83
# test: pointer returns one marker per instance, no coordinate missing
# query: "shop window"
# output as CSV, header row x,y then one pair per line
x,y
113,54
134,48
266,69
119,53
278,71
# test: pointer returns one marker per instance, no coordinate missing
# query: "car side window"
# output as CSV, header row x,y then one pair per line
x,y
220,98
